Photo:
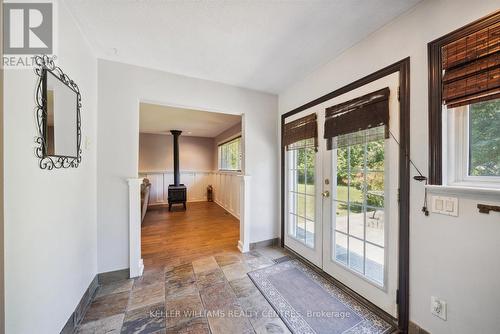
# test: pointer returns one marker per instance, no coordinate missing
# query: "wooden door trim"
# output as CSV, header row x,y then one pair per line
x,y
434,55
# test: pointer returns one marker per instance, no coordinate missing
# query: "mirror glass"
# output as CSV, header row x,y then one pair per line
x,y
61,122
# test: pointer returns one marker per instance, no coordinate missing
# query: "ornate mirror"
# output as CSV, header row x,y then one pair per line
x,y
58,117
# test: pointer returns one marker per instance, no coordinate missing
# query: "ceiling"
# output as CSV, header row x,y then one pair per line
x,y
161,119
264,45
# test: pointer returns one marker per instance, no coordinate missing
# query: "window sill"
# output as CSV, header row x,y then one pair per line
x,y
463,190
230,172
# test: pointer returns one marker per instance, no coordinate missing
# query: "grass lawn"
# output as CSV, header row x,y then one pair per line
x,y
355,195
306,201
306,205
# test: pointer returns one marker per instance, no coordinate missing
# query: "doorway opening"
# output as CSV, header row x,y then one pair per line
x,y
192,166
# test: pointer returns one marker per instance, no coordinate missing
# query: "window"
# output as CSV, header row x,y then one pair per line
x,y
464,90
473,141
230,155
484,139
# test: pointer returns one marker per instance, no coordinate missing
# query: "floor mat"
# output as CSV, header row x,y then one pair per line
x,y
308,303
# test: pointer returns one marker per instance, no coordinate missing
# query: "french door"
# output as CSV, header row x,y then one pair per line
x,y
303,205
342,203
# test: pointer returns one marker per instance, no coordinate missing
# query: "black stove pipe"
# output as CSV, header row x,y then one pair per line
x,y
176,134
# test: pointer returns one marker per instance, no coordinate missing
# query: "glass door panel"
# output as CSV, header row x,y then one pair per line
x,y
303,225
359,197
361,215
302,195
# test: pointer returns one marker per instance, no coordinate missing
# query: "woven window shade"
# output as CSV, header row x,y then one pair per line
x,y
358,137
472,68
347,121
301,133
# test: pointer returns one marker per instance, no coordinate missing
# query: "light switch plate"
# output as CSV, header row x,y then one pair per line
x,y
439,204
445,205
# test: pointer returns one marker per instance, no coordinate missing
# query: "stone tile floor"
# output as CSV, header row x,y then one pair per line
x,y
209,295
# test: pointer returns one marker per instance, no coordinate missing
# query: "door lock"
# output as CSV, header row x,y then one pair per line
x,y
325,193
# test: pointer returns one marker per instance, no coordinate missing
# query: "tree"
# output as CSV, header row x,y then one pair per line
x,y
356,159
306,162
484,137
354,155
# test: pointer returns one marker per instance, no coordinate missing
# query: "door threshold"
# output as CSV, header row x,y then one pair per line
x,y
368,304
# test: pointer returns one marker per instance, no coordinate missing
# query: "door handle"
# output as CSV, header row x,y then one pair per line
x,y
325,193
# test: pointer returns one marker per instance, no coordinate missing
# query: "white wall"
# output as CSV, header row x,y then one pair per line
x,y
121,88
156,153
452,258
50,216
2,249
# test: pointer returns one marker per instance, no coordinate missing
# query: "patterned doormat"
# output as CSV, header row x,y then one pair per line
x,y
310,304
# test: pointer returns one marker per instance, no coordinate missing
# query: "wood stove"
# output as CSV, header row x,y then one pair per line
x,y
177,192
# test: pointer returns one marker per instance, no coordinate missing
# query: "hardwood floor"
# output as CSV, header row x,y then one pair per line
x,y
177,237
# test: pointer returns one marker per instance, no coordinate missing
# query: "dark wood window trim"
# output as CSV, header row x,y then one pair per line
x,y
229,140
403,67
435,95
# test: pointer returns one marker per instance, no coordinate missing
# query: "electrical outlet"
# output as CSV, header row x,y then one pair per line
x,y
438,307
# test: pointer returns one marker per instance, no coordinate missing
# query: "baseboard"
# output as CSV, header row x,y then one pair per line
x,y
413,328
113,276
81,308
157,206
264,243
165,204
240,247
222,206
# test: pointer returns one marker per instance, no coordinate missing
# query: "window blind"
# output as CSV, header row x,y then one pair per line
x,y
301,133
471,67
359,117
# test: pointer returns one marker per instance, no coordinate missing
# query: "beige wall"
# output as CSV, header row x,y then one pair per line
x,y
156,153
222,137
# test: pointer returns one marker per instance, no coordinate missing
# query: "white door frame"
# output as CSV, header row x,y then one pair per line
x,y
314,254
403,67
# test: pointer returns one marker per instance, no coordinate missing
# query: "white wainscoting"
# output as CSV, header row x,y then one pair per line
x,y
226,187
227,191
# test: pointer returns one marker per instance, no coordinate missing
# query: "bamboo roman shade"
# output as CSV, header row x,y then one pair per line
x,y
301,133
365,118
472,68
